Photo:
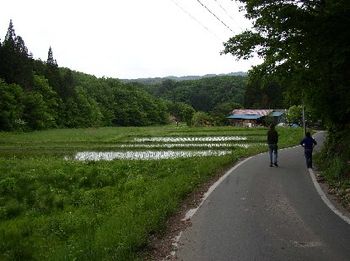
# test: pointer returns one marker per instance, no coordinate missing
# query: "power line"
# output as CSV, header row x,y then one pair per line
x,y
214,15
195,19
240,9
227,13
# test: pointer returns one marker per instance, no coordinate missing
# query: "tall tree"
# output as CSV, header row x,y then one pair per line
x,y
50,60
10,35
52,73
306,46
67,84
15,62
25,64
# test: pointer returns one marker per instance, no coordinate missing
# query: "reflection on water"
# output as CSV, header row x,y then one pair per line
x,y
146,155
191,139
187,145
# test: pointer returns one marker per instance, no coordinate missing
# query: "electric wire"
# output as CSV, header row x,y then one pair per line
x,y
227,13
195,19
215,15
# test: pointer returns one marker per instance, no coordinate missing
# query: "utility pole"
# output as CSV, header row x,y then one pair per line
x,y
303,112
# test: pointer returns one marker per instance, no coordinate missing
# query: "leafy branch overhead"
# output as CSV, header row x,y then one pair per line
x,y
305,45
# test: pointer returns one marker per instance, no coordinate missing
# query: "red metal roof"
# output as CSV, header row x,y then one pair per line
x,y
262,112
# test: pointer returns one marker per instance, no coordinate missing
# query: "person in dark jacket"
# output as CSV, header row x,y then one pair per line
x,y
308,143
272,140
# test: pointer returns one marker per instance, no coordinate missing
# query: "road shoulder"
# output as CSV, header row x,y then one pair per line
x,y
162,246
331,200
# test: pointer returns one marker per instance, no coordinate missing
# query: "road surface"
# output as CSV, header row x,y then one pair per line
x,y
264,213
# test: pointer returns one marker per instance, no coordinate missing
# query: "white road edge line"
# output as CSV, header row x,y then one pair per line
x,y
193,211
325,199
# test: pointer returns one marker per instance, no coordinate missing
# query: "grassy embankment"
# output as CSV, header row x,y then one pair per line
x,y
334,163
57,209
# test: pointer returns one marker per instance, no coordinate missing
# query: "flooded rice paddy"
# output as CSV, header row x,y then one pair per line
x,y
146,155
158,148
186,145
191,139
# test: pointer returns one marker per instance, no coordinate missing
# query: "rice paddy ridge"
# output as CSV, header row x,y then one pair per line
x,y
68,142
158,147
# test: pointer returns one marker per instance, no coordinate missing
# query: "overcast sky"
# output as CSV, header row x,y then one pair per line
x,y
129,39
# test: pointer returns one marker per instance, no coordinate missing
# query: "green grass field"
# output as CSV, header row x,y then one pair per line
x,y
53,207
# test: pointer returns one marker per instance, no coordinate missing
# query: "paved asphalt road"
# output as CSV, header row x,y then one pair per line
x,y
264,213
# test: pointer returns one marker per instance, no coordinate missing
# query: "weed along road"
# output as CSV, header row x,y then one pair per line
x,y
266,213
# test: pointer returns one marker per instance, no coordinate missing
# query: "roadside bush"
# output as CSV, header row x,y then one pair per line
x,y
335,169
201,119
334,157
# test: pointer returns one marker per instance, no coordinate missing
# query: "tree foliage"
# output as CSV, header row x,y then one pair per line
x,y
202,94
295,114
260,94
181,111
206,95
222,110
306,47
11,106
15,61
38,95
201,119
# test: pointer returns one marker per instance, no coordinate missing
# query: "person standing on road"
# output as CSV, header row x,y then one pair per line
x,y
308,143
272,140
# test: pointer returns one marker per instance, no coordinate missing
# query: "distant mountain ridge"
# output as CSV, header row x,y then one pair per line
x,y
157,80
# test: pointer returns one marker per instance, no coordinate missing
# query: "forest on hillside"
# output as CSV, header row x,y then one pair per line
x,y
215,97
37,94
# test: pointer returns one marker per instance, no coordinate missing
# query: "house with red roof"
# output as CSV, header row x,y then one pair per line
x,y
256,117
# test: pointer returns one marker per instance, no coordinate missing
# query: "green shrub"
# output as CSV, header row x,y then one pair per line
x,y
335,169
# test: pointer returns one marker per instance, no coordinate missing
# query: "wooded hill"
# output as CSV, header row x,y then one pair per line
x,y
159,80
37,95
204,94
